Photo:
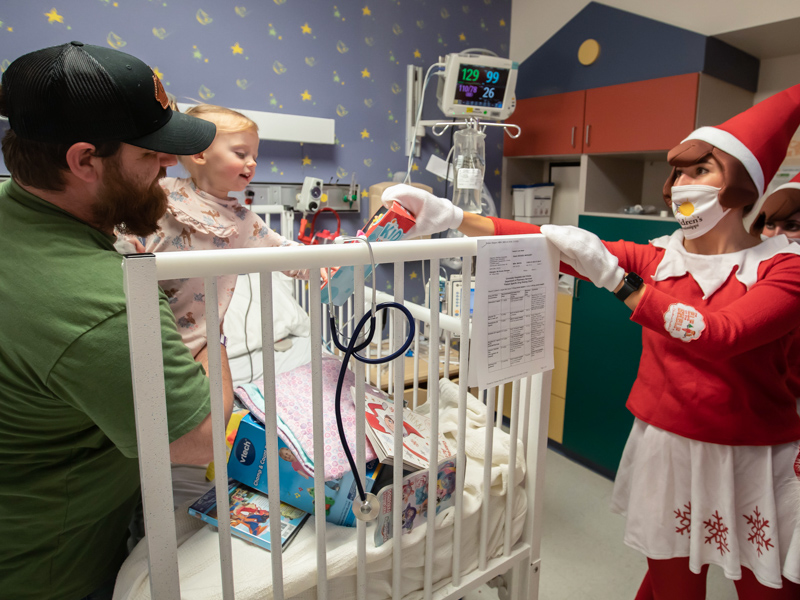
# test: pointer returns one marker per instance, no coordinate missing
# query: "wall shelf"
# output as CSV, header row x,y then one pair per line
x,y
279,127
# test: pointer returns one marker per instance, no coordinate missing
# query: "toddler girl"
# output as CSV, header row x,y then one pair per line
x,y
201,216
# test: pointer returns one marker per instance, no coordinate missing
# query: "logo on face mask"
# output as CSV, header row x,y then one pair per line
x,y
697,209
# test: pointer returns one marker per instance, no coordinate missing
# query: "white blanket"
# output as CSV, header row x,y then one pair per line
x,y
198,545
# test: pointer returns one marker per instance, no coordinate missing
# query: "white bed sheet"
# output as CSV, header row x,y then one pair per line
x,y
198,545
250,367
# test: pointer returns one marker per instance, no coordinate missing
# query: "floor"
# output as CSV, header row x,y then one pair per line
x,y
583,557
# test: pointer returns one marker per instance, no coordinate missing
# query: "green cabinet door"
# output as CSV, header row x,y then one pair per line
x,y
604,350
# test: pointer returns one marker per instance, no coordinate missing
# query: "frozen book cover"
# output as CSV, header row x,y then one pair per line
x,y
249,510
415,500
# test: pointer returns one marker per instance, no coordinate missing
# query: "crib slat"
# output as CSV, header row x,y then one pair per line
x,y
501,400
357,308
487,477
152,434
512,465
417,333
218,438
433,404
315,299
447,346
397,504
271,429
461,453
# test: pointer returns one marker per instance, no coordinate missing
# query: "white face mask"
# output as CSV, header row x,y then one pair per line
x,y
697,209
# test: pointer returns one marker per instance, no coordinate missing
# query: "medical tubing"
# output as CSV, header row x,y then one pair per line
x,y
352,349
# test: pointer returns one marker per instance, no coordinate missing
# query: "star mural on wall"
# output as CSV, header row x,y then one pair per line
x,y
306,161
237,49
417,54
365,73
462,37
158,73
502,22
366,11
305,95
364,134
305,28
53,16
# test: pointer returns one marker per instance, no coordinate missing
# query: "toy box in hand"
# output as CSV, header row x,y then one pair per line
x,y
387,226
248,465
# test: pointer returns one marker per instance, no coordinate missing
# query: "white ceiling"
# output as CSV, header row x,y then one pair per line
x,y
772,40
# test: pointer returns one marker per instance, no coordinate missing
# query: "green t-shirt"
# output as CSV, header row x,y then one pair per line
x,y
69,476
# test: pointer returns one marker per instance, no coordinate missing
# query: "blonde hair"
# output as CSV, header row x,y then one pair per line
x,y
226,120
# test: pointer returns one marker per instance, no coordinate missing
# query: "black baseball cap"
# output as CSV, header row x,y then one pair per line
x,y
82,93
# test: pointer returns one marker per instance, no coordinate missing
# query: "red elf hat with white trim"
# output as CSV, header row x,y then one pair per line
x,y
758,137
781,204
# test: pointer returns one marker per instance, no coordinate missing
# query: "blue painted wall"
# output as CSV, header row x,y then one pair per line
x,y
632,48
340,59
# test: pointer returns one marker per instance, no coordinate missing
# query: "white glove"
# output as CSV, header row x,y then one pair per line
x,y
431,213
584,252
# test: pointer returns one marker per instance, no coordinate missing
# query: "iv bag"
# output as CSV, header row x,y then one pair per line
x,y
488,209
470,163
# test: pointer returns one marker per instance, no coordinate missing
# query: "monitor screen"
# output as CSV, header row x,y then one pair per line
x,y
480,86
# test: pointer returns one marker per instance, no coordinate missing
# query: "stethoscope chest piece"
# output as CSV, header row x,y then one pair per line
x,y
366,510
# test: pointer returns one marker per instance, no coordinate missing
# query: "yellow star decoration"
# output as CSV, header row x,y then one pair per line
x,y
415,167
502,22
365,73
364,194
366,11
11,29
306,161
364,134
413,275
497,171
417,53
237,49
53,16
158,73
306,29
305,95
462,37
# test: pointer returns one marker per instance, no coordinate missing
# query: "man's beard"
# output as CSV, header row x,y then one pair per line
x,y
129,206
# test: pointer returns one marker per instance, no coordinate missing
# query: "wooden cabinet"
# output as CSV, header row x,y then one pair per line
x,y
550,125
644,116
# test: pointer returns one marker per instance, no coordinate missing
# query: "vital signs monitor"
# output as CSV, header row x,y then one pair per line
x,y
477,85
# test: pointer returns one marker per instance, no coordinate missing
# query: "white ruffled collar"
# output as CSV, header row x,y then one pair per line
x,y
711,271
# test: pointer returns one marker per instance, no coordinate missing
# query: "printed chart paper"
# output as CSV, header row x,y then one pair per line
x,y
513,322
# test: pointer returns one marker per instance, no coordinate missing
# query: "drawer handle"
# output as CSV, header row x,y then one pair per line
x,y
572,139
587,135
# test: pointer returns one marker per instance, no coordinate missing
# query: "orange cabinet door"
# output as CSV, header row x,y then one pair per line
x,y
655,114
550,125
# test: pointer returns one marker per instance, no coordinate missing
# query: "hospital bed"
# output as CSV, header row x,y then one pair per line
x,y
494,527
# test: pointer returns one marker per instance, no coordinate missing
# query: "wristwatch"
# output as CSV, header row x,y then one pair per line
x,y
630,283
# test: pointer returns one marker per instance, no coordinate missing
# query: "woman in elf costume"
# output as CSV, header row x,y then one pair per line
x,y
708,470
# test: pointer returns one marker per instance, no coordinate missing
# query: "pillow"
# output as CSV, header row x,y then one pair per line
x,y
288,317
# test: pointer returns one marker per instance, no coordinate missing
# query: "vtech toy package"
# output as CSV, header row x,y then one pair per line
x,y
247,464
386,226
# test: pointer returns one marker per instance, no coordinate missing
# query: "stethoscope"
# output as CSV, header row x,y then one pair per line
x,y
365,507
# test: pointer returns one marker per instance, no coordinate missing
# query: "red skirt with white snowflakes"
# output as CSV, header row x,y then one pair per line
x,y
730,506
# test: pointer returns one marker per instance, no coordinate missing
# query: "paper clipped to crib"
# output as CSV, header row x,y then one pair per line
x,y
513,320
415,500
386,226
381,419
249,515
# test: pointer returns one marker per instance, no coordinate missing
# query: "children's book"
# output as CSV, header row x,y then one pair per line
x,y
415,500
381,418
249,515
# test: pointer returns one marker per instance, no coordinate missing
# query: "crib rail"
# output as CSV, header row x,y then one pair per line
x,y
529,414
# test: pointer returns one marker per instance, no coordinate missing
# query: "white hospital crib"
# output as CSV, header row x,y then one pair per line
x,y
510,546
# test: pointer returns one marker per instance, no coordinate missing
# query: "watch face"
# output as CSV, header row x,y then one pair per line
x,y
634,280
